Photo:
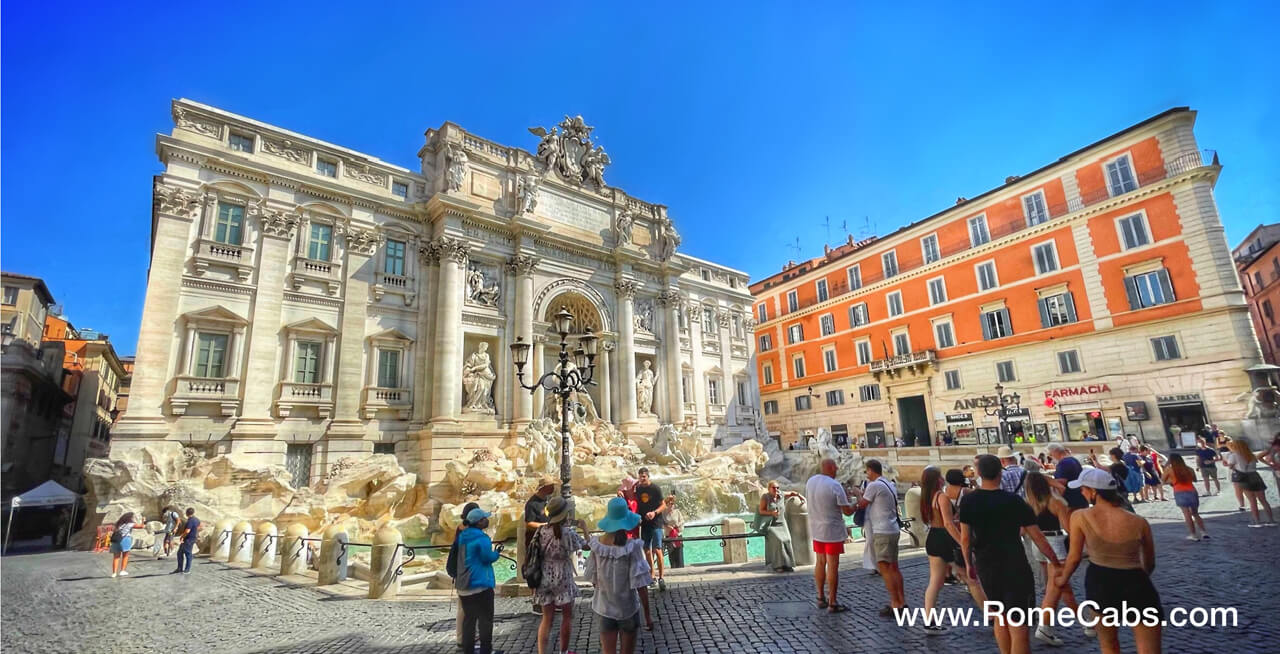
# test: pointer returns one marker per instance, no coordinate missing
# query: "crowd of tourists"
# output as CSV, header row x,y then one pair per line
x,y
988,524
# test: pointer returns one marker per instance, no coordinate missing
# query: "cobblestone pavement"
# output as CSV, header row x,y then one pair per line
x,y
66,602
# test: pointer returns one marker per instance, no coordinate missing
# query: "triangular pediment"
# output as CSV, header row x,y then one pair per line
x,y
311,325
217,313
391,335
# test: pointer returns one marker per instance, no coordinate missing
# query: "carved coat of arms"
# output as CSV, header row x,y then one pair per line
x,y
567,149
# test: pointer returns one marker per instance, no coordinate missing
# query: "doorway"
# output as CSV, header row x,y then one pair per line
x,y
913,420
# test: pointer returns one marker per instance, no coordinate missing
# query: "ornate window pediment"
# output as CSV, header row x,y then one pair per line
x,y
211,361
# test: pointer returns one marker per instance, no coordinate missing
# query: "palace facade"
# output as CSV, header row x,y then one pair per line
x,y
1097,293
307,302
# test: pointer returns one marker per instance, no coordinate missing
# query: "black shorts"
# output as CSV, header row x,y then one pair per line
x,y
1113,587
939,543
1010,583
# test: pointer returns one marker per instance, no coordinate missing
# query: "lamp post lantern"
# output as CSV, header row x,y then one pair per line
x,y
565,380
1002,408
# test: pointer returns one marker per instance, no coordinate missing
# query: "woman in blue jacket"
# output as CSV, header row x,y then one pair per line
x,y
475,581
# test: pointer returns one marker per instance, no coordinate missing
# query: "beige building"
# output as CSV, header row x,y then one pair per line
x,y
33,399
308,302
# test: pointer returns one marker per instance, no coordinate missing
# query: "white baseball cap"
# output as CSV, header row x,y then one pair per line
x,y
1095,478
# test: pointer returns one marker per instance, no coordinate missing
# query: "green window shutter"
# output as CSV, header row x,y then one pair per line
x,y
1166,285
1071,306
1131,290
1044,312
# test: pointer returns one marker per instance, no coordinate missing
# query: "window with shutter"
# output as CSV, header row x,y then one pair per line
x,y
864,353
937,291
827,324
953,379
1034,208
767,372
829,360
1004,372
822,290
1120,176
901,344
1166,348
1133,231
890,261
929,248
1149,289
945,335
858,315
1046,258
793,302
978,233
855,278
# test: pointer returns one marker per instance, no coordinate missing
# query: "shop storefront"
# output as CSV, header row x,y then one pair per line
x,y
1183,417
960,430
1085,412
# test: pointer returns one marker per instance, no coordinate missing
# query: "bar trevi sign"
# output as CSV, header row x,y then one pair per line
x,y
1179,398
1077,391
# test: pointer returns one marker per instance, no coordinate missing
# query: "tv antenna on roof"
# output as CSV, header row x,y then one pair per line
x,y
826,223
795,246
867,229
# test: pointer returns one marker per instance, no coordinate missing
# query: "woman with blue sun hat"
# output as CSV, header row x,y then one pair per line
x,y
620,574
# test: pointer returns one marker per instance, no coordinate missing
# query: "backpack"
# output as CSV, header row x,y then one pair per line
x,y
533,561
860,515
451,565
117,534
462,576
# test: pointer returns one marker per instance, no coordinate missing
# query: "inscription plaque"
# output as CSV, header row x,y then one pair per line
x,y
572,212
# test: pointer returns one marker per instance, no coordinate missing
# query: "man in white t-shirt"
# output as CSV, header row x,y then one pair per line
x,y
880,499
828,505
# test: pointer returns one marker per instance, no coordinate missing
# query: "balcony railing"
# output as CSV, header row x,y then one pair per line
x,y
923,357
396,284
299,394
396,399
1172,167
214,253
328,273
188,390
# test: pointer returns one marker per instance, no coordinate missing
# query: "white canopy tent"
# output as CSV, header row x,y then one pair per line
x,y
50,493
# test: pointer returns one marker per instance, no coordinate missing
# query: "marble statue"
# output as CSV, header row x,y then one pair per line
x,y
477,381
643,318
668,240
644,389
480,290
528,193
1262,402
567,149
593,163
582,409
457,167
624,224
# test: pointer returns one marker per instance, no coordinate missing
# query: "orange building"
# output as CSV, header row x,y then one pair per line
x,y
1258,260
1097,293
93,375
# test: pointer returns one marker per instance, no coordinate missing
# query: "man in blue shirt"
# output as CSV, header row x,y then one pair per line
x,y
1067,469
188,534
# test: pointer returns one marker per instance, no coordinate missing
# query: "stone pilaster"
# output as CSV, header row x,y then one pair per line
x,y
728,385
626,351
669,300
699,383
429,258
1206,240
602,378
261,374
175,209
448,337
361,243
521,267
1094,292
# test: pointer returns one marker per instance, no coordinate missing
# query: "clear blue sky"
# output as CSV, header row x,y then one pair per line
x,y
750,121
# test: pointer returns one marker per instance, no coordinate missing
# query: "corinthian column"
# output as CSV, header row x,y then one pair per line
x,y
448,338
521,266
669,300
626,350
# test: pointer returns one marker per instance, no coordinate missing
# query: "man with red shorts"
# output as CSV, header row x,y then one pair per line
x,y
828,505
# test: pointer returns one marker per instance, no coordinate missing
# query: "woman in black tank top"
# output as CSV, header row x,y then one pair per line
x,y
938,512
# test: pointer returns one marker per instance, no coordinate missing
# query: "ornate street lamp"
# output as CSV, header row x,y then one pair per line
x,y
568,378
1002,408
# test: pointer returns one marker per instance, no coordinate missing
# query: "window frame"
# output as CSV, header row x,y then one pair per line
x,y
988,328
942,284
886,259
9,301
298,372
924,249
399,184
387,257
311,235
1133,175
865,313
323,164
820,287
399,369
232,135
766,372
947,377
1141,215
869,393
798,367
765,342
858,350
1074,358
793,301
218,223
1052,244
770,407
837,394
854,276
889,303
986,229
1047,316
824,321
804,403
1044,207
1135,283
1013,371
830,360
995,275
905,334
762,311
1167,338
226,353
951,334
792,340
